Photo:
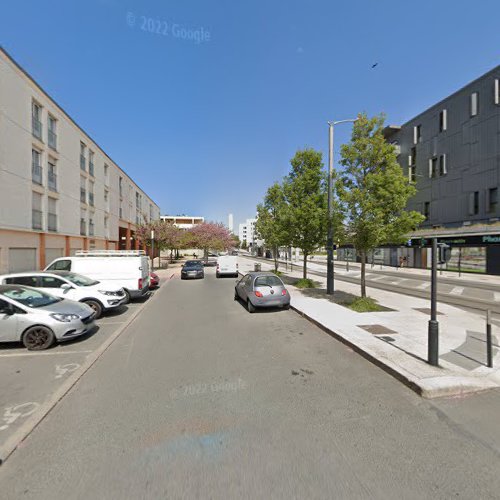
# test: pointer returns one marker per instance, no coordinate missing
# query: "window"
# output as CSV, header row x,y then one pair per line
x,y
412,174
121,213
474,203
36,120
492,200
474,103
50,282
52,215
496,91
106,175
22,280
83,190
91,194
83,164
91,163
433,164
427,210
52,135
36,167
36,211
91,225
443,120
106,195
60,265
120,185
52,176
83,223
442,165
417,134
412,159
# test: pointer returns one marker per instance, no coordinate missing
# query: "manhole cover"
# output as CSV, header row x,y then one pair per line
x,y
426,310
377,329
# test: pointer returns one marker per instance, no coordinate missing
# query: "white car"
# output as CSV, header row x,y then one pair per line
x,y
100,296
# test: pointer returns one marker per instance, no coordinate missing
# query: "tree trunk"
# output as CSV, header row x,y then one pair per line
x,y
363,269
205,254
304,274
275,251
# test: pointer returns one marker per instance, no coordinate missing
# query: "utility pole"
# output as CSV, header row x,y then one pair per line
x,y
329,241
433,331
152,250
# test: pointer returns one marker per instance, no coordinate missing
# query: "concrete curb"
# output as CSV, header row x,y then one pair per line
x,y
30,425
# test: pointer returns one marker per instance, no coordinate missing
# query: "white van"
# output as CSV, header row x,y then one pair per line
x,y
127,269
227,265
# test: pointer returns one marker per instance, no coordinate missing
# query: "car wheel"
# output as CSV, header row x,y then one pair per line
x,y
250,307
236,296
127,295
286,307
38,338
96,306
217,275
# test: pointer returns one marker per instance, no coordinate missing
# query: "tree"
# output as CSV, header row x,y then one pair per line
x,y
167,235
211,236
271,220
306,213
374,191
244,245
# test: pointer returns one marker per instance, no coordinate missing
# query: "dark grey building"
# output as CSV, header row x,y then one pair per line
x,y
451,152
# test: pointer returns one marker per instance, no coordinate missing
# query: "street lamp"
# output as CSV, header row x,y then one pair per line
x,y
329,242
152,250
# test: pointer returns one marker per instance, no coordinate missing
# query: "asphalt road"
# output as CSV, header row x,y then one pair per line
x,y
200,399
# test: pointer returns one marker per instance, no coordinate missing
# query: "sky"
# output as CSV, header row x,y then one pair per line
x,y
204,102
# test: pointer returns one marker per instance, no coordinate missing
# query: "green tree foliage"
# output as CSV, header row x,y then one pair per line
x,y
271,222
374,191
306,205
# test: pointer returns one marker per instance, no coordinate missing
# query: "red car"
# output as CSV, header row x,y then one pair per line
x,y
154,280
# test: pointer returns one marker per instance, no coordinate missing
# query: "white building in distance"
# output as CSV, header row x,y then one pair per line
x,y
247,232
183,221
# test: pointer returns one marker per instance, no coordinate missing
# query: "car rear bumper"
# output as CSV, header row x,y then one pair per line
x,y
281,301
137,294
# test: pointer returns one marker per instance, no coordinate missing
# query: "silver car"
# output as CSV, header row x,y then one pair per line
x,y
261,289
37,319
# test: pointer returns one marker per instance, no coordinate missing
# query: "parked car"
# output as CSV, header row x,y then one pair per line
x,y
127,269
100,296
192,269
154,280
211,260
262,289
38,319
227,265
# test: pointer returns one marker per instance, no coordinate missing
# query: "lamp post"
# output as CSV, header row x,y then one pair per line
x,y
152,250
329,241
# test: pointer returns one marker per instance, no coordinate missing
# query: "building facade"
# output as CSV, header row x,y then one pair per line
x,y
247,232
183,221
451,152
59,191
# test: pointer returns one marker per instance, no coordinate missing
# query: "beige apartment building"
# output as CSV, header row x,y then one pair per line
x,y
59,191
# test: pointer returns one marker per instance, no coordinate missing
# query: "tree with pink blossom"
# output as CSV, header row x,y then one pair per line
x,y
211,236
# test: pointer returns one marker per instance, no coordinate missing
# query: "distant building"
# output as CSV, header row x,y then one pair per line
x,y
247,231
183,221
230,223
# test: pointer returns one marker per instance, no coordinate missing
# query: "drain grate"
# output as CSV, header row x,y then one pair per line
x,y
426,310
377,329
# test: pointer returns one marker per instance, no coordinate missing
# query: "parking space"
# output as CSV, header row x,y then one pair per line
x,y
29,378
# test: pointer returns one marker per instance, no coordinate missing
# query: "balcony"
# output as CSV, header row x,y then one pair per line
x,y
83,164
36,127
91,168
36,218
52,222
83,195
52,182
83,227
36,174
52,140
91,199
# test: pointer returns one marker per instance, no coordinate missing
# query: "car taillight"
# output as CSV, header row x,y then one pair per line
x,y
140,283
283,292
258,294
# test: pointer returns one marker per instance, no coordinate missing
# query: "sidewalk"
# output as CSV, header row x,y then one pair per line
x,y
398,343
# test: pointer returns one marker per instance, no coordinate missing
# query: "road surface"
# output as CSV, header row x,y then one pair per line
x,y
200,399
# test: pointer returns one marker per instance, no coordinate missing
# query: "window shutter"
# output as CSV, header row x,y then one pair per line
x,y
445,119
415,138
445,169
487,200
471,203
430,168
409,160
497,91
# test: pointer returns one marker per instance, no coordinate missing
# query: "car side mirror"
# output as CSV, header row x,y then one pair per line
x,y
66,287
8,310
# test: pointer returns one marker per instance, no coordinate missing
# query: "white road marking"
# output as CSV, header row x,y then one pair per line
x,y
20,354
12,413
376,278
397,282
496,296
423,286
61,370
457,290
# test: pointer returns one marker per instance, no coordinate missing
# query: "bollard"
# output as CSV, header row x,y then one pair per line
x,y
489,344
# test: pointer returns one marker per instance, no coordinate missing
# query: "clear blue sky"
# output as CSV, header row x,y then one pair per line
x,y
225,116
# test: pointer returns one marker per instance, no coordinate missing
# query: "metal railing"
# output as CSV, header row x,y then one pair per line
x,y
52,181
52,222
83,227
52,136
36,174
36,219
36,126
83,165
83,195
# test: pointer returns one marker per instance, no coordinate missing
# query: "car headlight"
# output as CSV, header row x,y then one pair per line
x,y
64,318
110,294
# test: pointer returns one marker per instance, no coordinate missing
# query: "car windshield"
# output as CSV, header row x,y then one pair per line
x,y
193,263
268,281
31,298
80,280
